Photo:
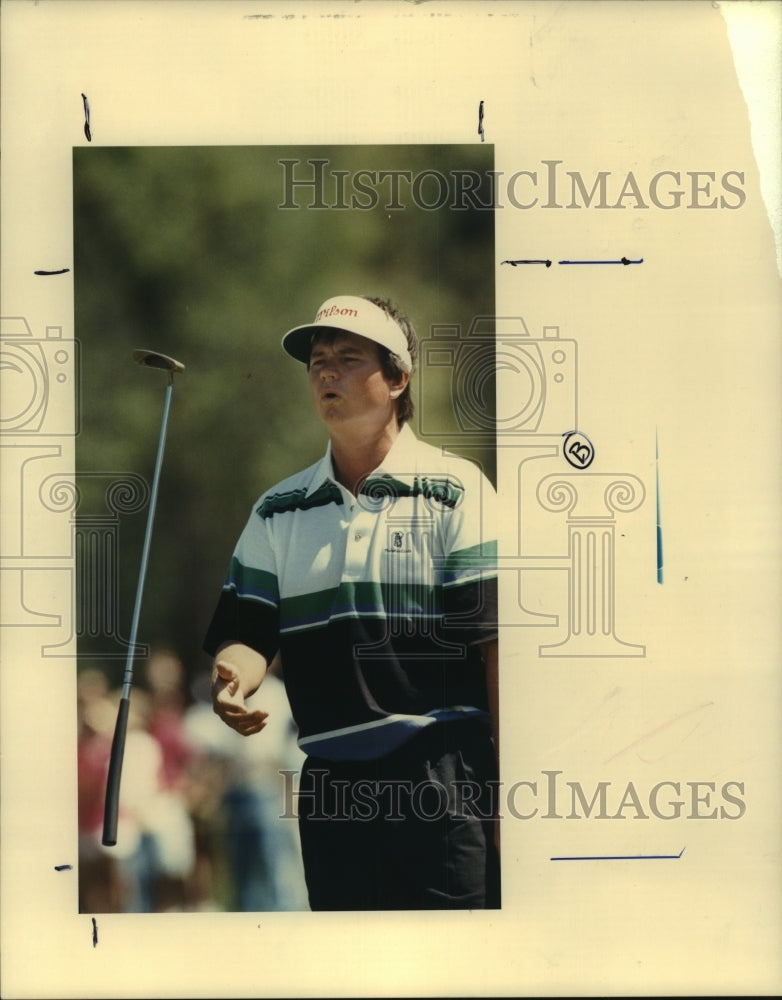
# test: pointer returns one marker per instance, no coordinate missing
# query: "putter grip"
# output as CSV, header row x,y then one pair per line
x,y
111,807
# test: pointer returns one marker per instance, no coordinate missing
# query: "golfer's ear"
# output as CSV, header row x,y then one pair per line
x,y
398,385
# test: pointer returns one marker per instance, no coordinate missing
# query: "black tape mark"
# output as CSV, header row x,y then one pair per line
x,y
94,932
63,868
480,121
87,130
515,263
63,270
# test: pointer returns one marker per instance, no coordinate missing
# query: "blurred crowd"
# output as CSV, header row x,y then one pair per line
x,y
200,816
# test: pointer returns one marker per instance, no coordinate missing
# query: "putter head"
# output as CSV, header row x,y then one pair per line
x,y
151,359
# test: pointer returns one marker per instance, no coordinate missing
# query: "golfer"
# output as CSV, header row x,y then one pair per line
x,y
372,574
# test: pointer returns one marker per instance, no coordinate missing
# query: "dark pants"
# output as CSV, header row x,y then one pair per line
x,y
413,830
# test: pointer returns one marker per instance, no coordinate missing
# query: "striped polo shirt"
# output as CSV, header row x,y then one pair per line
x,y
377,602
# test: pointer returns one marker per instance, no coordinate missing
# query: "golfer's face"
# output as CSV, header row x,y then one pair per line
x,y
347,382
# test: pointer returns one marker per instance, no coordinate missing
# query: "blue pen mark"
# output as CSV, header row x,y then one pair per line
x,y
622,857
480,121
623,260
63,868
658,518
62,270
94,932
515,263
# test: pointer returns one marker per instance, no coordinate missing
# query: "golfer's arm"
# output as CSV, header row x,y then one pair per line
x,y
489,651
248,664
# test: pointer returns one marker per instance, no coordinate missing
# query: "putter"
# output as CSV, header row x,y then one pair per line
x,y
148,359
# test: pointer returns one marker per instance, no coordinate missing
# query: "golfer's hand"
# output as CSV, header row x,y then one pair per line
x,y
228,701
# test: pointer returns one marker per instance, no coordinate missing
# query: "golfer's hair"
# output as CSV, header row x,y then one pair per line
x,y
389,361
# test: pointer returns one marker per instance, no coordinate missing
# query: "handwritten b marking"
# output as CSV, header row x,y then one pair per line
x,y
578,449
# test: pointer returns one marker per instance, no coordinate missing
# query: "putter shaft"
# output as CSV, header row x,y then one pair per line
x,y
111,806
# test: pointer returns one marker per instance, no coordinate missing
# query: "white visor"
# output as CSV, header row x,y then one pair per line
x,y
350,314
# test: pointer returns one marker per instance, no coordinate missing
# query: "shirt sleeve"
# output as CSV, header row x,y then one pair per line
x,y
248,607
470,567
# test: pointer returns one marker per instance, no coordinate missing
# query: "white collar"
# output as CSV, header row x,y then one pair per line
x,y
400,461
